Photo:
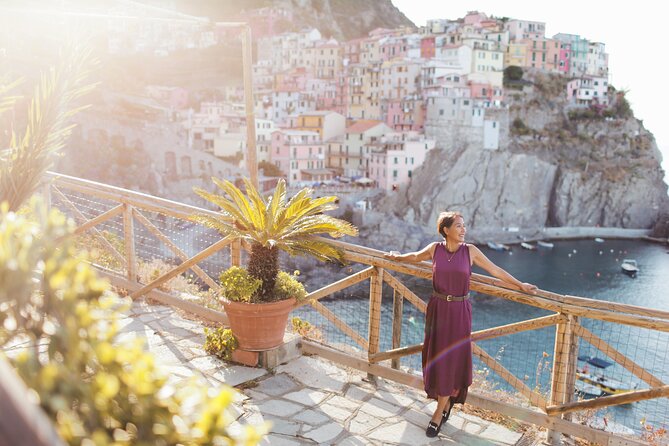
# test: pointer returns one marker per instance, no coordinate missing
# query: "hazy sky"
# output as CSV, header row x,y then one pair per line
x,y
633,35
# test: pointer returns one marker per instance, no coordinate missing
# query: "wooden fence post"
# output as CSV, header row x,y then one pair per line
x,y
561,354
398,304
236,253
570,379
375,295
129,238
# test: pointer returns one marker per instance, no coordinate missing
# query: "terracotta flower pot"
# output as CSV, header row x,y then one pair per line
x,y
258,326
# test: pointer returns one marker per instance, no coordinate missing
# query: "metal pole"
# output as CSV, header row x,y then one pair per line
x,y
247,61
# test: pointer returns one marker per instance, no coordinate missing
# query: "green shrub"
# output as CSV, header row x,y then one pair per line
x,y
287,286
518,127
621,107
306,329
513,73
96,389
238,285
150,271
220,342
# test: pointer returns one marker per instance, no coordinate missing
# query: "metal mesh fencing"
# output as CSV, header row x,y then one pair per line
x,y
607,358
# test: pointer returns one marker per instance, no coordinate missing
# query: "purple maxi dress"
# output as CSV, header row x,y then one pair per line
x,y
447,350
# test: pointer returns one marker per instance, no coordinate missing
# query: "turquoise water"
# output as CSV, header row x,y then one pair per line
x,y
582,268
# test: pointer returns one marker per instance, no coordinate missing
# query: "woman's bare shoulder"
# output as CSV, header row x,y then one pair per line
x,y
473,249
431,248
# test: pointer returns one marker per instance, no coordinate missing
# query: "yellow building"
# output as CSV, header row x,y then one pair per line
x,y
515,54
370,50
371,86
327,124
327,60
355,92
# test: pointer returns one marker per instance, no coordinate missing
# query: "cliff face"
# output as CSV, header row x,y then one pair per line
x,y
346,19
557,167
341,19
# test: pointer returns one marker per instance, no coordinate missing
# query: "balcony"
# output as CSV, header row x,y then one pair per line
x,y
357,338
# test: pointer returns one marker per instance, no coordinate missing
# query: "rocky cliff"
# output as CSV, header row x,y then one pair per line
x,y
341,19
559,166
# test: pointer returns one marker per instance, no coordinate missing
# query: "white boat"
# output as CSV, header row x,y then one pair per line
x,y
528,246
599,240
586,389
545,244
596,377
629,267
497,246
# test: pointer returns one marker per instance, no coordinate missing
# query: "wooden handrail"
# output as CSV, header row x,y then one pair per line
x,y
612,400
22,422
568,309
480,335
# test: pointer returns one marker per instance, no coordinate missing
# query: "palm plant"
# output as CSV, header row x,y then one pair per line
x,y
29,155
275,224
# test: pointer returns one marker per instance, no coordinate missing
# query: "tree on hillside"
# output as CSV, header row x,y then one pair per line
x,y
513,73
270,170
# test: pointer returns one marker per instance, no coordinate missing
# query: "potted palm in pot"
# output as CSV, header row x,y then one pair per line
x,y
259,298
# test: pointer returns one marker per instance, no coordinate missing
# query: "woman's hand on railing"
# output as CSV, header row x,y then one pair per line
x,y
392,255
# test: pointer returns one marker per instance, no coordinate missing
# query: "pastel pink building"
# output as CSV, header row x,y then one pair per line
x,y
427,47
564,58
300,154
174,97
326,96
292,80
407,114
542,53
340,104
352,50
474,18
392,47
266,21
394,157
486,92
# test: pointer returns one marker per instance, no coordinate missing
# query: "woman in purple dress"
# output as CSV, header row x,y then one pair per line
x,y
447,352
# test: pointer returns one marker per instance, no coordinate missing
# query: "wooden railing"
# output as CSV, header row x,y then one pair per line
x,y
552,411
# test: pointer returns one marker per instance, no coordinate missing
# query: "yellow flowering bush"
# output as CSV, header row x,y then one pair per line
x,y
238,285
305,329
97,389
287,286
220,342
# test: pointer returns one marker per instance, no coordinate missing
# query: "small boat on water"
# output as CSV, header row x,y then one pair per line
x,y
587,390
545,244
629,267
497,246
599,240
596,377
529,246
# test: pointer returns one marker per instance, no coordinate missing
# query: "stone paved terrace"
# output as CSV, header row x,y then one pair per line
x,y
308,400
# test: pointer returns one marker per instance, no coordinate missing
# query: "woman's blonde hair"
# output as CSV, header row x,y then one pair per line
x,y
445,220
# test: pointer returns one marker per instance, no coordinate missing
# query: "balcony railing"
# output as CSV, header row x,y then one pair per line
x,y
134,228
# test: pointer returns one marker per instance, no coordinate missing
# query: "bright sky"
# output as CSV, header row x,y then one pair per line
x,y
631,34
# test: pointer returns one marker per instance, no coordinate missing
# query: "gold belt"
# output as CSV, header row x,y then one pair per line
x,y
450,298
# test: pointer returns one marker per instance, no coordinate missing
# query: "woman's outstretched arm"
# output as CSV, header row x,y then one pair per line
x,y
482,261
417,256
